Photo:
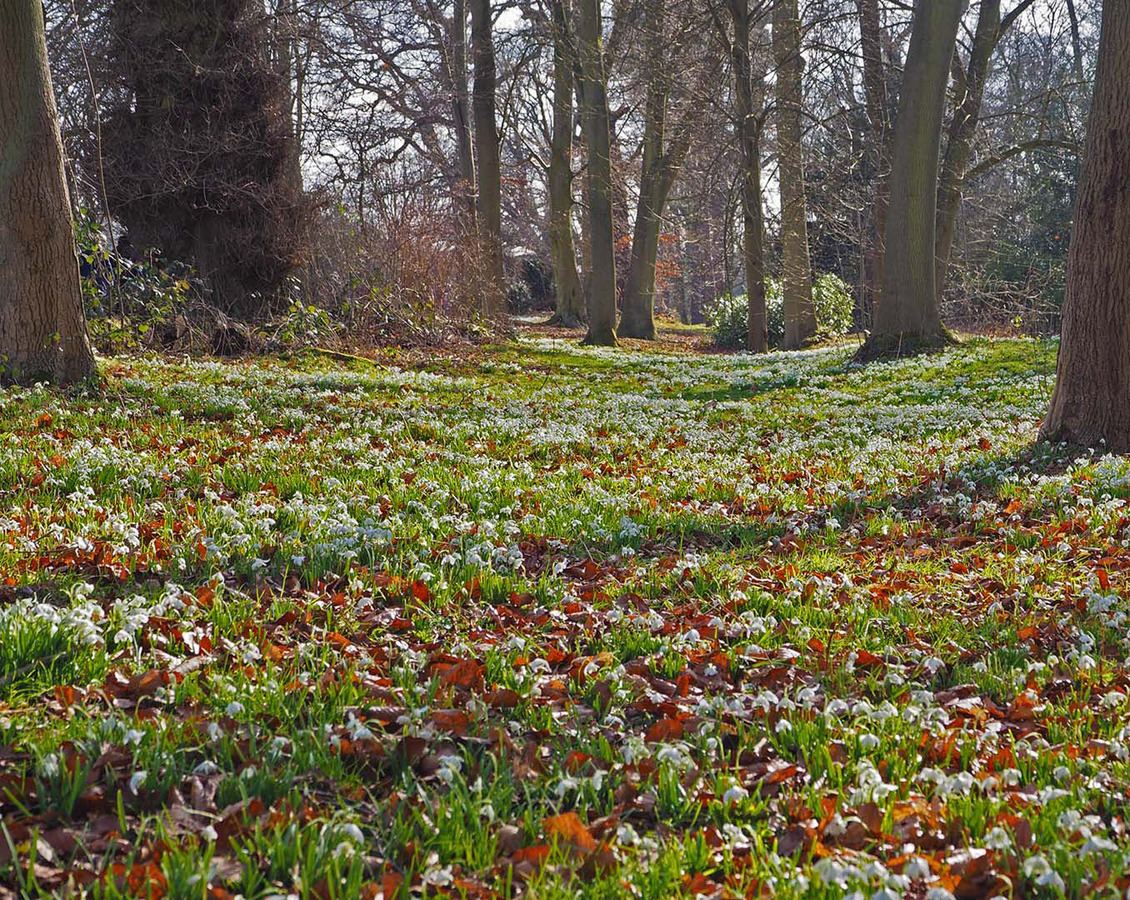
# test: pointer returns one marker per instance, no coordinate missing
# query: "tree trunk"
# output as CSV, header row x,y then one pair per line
x,y
959,145
489,160
637,318
800,314
1091,401
878,151
907,318
461,113
598,140
570,299
746,89
42,326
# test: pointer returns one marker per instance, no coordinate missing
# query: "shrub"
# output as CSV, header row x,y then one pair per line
x,y
834,304
830,294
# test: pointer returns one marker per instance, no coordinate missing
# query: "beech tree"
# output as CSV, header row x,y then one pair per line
x,y
489,160
748,102
598,140
1091,401
907,318
42,327
800,314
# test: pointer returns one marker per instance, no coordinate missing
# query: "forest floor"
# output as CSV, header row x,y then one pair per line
x,y
550,622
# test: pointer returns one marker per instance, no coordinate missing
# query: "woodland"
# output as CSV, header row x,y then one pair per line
x,y
564,448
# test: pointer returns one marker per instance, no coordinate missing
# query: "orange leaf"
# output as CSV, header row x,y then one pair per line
x,y
466,674
664,730
452,720
569,828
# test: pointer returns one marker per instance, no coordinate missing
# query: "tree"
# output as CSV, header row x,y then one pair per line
x,y
878,151
907,318
42,327
1091,401
800,314
489,158
598,140
665,147
570,310
199,146
747,94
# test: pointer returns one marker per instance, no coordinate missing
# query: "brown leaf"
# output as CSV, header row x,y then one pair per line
x,y
664,730
569,828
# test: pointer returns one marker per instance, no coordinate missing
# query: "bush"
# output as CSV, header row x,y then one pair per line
x,y
834,304
830,294
728,321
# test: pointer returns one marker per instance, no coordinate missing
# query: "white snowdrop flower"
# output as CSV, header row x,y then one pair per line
x,y
916,867
1052,880
133,736
885,893
939,893
449,768
626,834
486,812
351,831
783,725
998,839
806,697
1097,844
958,783
234,708
539,665
1010,777
836,826
875,870
49,765
215,732
735,794
1113,699
933,664
209,833
836,707
206,767
1062,774
439,877
868,741
137,779
564,786
1036,865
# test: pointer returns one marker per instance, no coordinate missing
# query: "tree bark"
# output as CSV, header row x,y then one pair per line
x,y
959,144
907,318
637,318
461,113
1091,401
42,326
489,160
570,310
800,314
747,89
598,141
878,151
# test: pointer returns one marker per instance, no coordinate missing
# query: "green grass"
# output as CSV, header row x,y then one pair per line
x,y
761,624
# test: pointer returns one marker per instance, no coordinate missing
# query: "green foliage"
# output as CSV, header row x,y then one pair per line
x,y
830,294
124,299
834,303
